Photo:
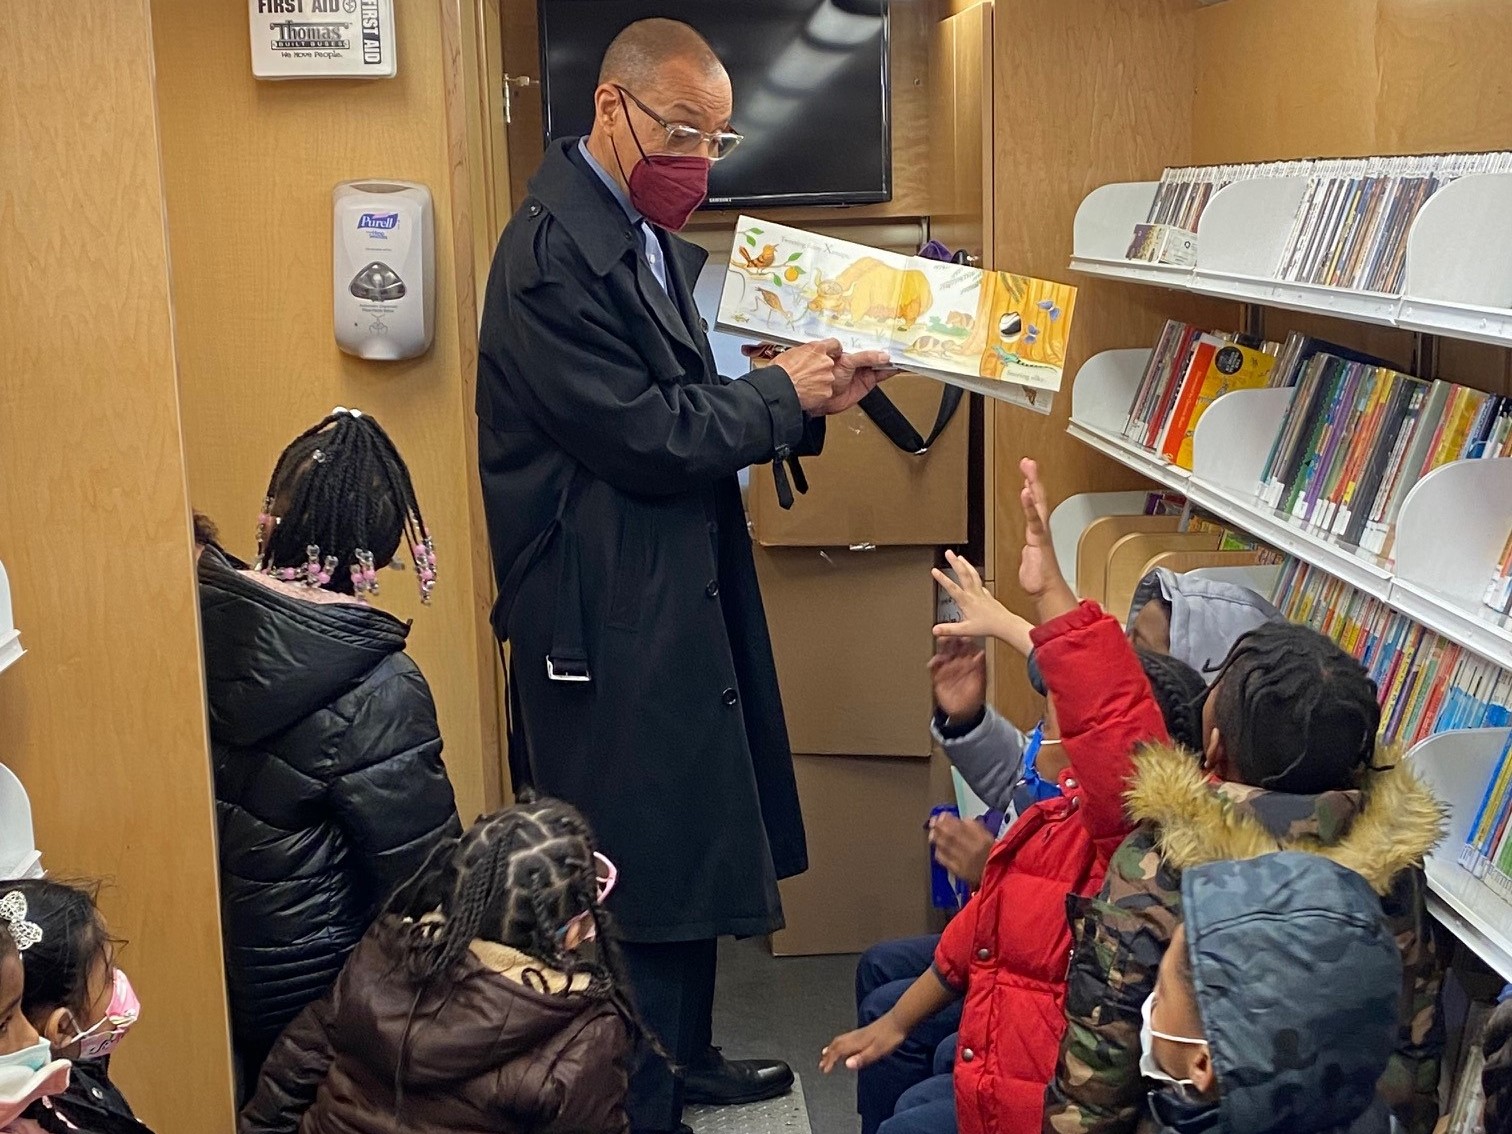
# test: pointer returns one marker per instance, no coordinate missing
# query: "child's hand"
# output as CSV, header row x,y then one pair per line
x,y
864,1046
961,846
982,616
959,672
1038,568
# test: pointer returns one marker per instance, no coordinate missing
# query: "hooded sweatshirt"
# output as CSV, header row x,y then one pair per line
x,y
504,1045
1207,615
1381,830
1297,980
329,786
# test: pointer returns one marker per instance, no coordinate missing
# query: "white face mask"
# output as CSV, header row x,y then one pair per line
x,y
1147,1037
18,1067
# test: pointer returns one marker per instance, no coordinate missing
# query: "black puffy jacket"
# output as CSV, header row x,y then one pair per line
x,y
329,786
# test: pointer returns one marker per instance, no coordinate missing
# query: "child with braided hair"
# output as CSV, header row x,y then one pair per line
x,y
329,785
489,996
1288,762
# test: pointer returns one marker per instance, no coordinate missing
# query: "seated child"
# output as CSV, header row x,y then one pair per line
x,y
80,1001
28,1072
1289,763
475,1002
1006,952
1197,620
1275,1009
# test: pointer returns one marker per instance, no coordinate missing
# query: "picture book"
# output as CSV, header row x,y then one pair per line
x,y
1231,367
996,333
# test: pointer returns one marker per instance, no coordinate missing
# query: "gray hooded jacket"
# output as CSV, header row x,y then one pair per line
x,y
1297,980
1207,615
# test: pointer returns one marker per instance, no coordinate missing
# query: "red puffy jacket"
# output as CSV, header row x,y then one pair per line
x,y
1009,950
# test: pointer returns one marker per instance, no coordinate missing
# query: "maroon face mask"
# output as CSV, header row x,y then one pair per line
x,y
665,188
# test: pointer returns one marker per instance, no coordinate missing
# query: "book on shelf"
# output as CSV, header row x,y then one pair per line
x,y
1426,684
1358,436
1351,224
993,332
1499,591
1169,232
1188,370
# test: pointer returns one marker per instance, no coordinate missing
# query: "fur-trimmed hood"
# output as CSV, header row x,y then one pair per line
x,y
1386,825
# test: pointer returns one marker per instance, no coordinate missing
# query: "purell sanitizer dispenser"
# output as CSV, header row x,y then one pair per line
x,y
384,268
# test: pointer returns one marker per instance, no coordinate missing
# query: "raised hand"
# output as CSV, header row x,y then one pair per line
x,y
1039,571
959,672
982,616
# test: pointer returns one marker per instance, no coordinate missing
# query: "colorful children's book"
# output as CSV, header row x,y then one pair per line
x,y
996,333
1231,367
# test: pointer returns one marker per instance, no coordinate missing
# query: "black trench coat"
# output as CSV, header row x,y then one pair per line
x,y
642,686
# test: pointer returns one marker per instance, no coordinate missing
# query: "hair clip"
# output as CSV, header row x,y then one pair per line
x,y
340,410
318,456
13,912
425,567
318,572
266,522
364,575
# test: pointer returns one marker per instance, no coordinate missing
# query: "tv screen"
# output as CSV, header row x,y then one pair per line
x,y
809,79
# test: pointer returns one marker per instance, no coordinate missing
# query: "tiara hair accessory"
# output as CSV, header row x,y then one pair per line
x,y
13,912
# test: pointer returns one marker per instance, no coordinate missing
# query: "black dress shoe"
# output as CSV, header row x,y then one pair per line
x,y
713,1080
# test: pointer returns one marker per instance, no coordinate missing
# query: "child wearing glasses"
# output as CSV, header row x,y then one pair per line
x,y
488,996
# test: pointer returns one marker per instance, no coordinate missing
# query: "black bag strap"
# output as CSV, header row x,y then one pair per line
x,y
899,430
888,417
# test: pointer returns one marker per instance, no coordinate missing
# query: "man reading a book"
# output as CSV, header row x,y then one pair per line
x,y
642,688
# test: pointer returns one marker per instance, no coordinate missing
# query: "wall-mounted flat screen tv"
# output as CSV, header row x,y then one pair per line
x,y
810,81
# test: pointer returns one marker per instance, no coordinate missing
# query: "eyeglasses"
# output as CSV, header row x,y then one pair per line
x,y
685,139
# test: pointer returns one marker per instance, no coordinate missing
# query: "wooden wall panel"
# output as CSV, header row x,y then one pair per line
x,y
1362,77
104,720
1087,92
1321,103
249,167
1443,78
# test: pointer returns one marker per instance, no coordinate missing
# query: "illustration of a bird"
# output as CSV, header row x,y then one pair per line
x,y
773,302
762,260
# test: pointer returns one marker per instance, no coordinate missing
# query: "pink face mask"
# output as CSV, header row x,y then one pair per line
x,y
101,1039
608,875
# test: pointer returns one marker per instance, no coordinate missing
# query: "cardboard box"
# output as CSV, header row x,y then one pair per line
x,y
863,489
868,878
851,631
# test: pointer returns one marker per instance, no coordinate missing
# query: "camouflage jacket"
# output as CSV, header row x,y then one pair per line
x,y
1381,831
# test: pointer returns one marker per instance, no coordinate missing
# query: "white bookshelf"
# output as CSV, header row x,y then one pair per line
x,y
1449,535
10,637
1457,766
1457,283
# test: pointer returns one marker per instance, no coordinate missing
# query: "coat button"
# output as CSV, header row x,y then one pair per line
x,y
984,954
1070,783
967,1055
704,323
712,590
729,696
534,210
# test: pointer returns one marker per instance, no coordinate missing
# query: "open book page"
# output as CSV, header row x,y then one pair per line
x,y
792,286
992,332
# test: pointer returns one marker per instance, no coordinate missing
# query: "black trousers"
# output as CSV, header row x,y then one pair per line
x,y
673,985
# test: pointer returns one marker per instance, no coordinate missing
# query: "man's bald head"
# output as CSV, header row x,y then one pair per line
x,y
640,53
